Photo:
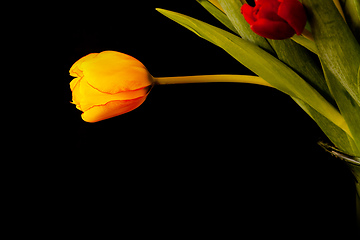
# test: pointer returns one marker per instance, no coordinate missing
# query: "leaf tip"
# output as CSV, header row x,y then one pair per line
x,y
160,10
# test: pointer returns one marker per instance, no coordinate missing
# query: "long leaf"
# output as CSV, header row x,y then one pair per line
x,y
292,54
305,43
338,48
217,13
358,76
336,135
263,64
215,3
232,10
348,107
352,15
303,63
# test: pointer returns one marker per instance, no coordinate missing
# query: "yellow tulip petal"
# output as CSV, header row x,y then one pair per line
x,y
86,96
74,82
76,69
108,84
113,72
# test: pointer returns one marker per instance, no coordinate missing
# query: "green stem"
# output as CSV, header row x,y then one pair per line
x,y
358,204
354,165
334,115
211,79
356,171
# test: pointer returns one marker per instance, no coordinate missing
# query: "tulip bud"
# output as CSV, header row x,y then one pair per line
x,y
275,19
108,84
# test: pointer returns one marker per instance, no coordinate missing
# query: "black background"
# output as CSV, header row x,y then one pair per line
x,y
193,160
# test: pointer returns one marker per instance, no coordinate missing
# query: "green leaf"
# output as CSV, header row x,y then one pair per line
x,y
303,63
347,105
218,14
305,43
263,64
290,53
351,10
338,48
335,134
358,77
232,10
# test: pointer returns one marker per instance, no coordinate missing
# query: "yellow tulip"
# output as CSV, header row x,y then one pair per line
x,y
108,84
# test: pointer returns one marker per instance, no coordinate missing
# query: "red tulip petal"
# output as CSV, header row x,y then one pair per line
x,y
293,12
260,2
269,10
272,29
247,11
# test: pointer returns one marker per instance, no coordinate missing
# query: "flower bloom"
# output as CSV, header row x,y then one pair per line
x,y
108,84
275,19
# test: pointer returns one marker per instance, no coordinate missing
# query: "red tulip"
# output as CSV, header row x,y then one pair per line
x,y
275,19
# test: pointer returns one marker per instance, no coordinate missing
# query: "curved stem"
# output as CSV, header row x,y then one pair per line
x,y
336,118
212,78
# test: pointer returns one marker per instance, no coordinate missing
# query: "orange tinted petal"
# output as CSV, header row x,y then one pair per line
x,y
111,109
76,69
73,83
108,84
75,88
114,72
86,96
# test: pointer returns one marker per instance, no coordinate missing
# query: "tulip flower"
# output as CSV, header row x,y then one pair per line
x,y
275,19
108,84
